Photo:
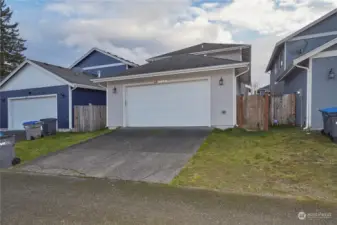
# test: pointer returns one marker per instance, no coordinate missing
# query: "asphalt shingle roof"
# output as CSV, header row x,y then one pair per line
x,y
68,74
200,48
178,62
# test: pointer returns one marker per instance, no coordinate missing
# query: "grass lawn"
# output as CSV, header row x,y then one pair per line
x,y
28,150
283,161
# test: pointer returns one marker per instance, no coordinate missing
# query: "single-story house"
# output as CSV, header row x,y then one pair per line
x,y
37,90
101,63
195,86
305,63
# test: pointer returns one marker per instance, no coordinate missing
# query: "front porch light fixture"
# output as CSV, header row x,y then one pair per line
x,y
114,90
331,74
221,81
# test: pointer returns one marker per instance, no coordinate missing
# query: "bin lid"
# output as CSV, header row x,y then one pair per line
x,y
30,123
48,119
329,110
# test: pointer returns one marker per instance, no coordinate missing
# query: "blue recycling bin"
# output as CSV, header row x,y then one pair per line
x,y
329,116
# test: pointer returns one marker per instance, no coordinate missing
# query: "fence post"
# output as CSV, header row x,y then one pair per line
x,y
240,111
266,113
91,117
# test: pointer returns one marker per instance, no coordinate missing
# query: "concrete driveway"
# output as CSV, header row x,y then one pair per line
x,y
152,155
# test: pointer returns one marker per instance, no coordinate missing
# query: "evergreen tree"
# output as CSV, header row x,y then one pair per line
x,y
11,44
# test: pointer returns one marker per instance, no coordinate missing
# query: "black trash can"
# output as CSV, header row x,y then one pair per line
x,y
330,122
48,126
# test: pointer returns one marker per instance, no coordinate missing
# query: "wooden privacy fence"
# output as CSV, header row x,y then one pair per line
x,y
257,112
89,117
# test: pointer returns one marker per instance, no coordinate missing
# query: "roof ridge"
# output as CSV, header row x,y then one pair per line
x,y
215,58
64,68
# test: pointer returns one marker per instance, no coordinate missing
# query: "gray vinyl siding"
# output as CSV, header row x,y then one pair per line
x,y
306,45
332,48
324,90
223,98
294,82
278,88
327,25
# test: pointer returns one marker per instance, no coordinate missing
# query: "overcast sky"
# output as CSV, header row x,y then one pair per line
x,y
60,31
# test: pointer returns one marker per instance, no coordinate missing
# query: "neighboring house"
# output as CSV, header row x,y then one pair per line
x,y
101,63
263,90
37,90
306,63
195,86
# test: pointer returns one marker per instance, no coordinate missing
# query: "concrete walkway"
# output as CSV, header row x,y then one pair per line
x,y
152,155
39,200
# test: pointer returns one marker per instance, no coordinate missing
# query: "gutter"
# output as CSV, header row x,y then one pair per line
x,y
172,72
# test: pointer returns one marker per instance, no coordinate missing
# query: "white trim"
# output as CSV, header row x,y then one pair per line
x,y
103,66
310,92
315,51
124,105
70,107
89,87
234,98
13,72
202,52
326,54
36,66
125,86
286,74
172,72
296,33
103,52
107,106
241,54
64,130
9,110
285,56
325,34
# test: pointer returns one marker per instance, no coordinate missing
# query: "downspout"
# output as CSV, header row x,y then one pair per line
x,y
244,72
71,89
307,125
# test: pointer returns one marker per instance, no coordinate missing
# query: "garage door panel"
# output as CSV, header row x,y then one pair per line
x,y
172,104
29,109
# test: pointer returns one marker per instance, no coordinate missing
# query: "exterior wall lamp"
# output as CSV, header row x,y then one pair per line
x,y
221,81
331,74
114,90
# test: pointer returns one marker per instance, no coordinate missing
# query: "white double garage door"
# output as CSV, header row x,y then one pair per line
x,y
177,104
30,108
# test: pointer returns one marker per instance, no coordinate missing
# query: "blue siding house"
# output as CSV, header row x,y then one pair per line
x,y
37,90
305,63
102,64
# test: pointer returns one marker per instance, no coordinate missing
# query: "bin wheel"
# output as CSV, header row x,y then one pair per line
x,y
32,138
16,161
